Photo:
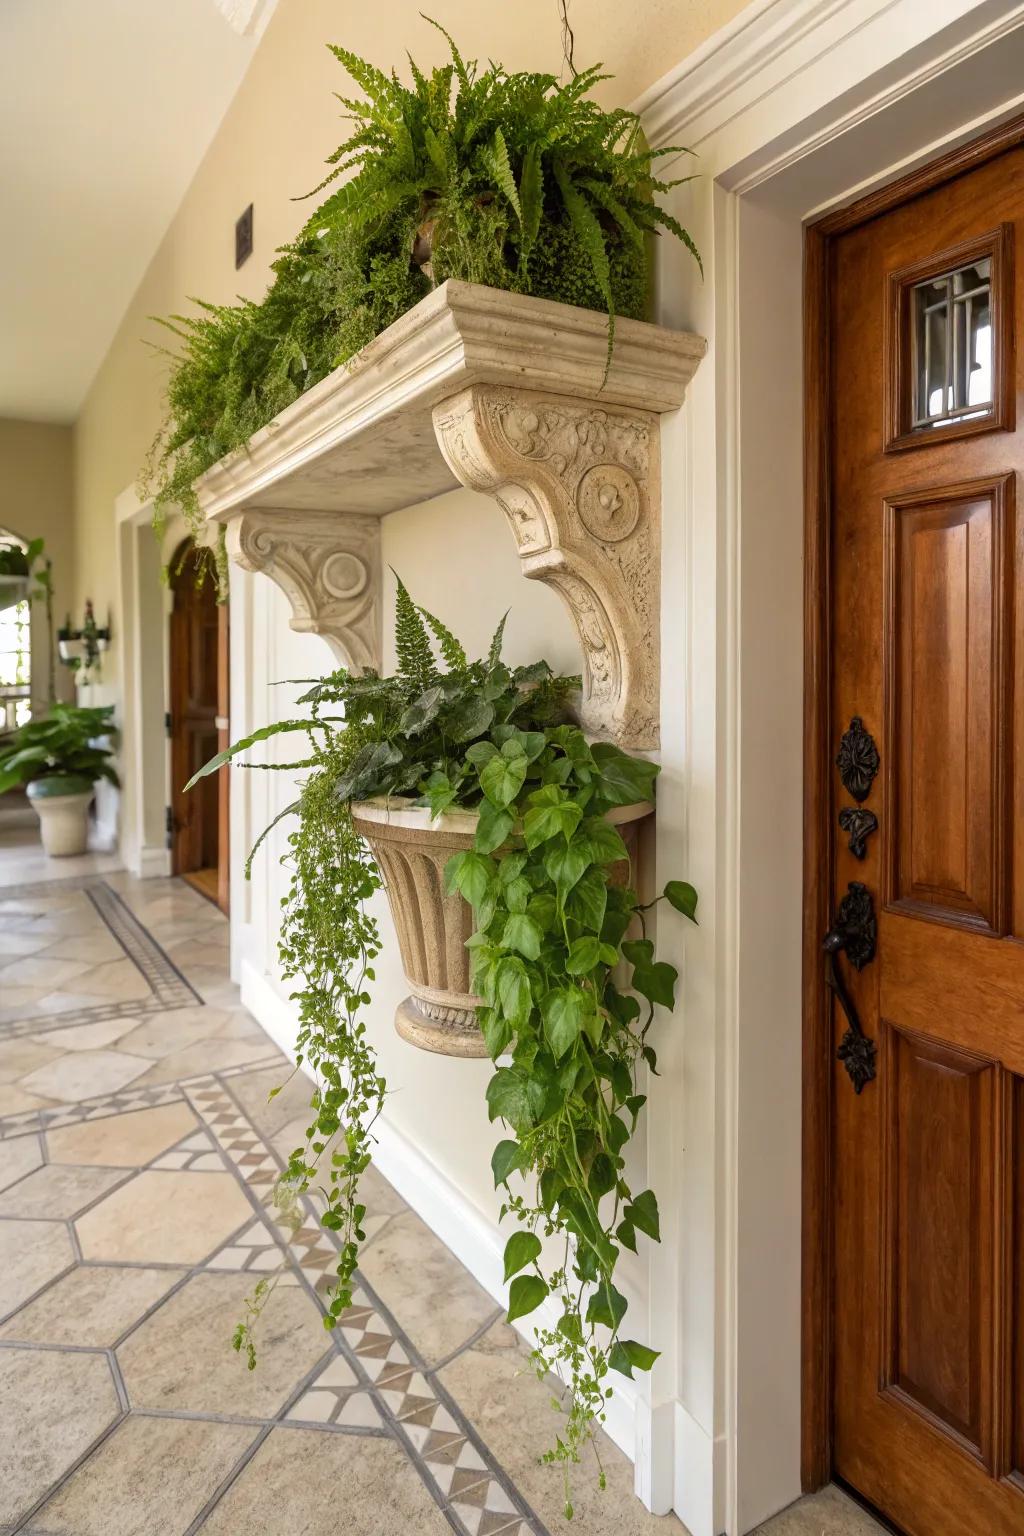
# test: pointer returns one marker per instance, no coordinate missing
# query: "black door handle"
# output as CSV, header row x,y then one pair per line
x,y
855,933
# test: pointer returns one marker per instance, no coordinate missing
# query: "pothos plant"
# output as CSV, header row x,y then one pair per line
x,y
561,958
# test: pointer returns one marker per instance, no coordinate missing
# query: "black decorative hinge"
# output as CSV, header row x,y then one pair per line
x,y
860,824
857,760
855,932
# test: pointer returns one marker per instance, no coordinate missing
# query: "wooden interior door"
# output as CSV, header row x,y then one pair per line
x,y
223,724
194,657
926,807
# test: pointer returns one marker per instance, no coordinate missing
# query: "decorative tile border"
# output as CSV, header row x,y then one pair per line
x,y
377,1371
168,987
25,1121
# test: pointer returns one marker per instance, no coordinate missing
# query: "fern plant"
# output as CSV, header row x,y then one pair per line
x,y
486,176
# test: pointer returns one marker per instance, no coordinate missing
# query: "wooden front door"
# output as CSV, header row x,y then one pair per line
x,y
926,810
198,677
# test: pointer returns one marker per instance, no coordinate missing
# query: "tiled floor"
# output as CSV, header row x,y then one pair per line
x,y
138,1155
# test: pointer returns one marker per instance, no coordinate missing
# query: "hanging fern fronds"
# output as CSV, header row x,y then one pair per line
x,y
517,180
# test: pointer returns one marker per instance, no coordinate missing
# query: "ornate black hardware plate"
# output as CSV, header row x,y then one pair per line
x,y
857,760
860,824
854,931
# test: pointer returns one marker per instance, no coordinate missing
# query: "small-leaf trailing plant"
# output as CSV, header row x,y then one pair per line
x,y
513,180
561,958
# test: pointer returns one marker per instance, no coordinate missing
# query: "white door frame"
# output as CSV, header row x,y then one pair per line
x,y
795,107
145,754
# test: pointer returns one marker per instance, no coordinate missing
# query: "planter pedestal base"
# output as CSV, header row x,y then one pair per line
x,y
63,823
454,1033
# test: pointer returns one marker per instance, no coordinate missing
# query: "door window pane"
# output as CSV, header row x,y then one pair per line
x,y
952,338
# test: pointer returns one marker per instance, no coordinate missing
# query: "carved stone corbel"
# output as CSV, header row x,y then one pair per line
x,y
580,486
329,568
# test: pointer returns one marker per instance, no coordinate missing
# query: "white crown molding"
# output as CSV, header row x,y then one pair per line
x,y
248,18
787,77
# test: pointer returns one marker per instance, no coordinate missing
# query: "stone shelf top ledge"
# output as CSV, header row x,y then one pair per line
x,y
505,394
362,439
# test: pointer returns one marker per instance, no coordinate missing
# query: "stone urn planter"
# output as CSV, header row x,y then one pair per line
x,y
411,851
61,801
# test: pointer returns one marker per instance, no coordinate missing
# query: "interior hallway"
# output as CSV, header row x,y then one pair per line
x,y
138,1155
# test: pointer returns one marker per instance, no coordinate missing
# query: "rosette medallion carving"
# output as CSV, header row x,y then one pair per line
x,y
580,486
328,567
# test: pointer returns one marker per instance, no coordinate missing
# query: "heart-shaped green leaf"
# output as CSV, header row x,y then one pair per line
x,y
521,1249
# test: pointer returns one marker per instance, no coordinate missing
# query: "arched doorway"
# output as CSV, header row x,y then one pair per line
x,y
198,728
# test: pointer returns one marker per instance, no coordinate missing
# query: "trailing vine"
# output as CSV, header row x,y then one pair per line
x,y
561,959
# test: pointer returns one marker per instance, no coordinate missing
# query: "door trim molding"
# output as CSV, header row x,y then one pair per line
x,y
819,834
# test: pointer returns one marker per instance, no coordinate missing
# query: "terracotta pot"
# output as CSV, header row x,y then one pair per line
x,y
411,851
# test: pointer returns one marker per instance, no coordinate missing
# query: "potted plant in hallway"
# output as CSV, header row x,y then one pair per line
x,y
466,790
59,758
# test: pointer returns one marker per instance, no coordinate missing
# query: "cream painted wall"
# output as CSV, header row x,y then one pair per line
x,y
36,488
270,149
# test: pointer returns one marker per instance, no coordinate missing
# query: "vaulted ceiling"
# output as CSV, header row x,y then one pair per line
x,y
106,109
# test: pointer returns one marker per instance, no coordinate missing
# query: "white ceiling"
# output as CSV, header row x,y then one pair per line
x,y
106,109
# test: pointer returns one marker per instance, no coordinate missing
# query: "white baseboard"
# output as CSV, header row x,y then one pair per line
x,y
699,1477
474,1240
152,862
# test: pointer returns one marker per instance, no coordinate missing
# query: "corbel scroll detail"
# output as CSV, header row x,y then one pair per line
x,y
328,565
580,486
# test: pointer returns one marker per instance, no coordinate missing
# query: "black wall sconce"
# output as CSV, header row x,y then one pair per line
x,y
81,649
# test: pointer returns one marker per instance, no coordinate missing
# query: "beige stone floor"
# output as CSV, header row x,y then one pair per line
x,y
138,1156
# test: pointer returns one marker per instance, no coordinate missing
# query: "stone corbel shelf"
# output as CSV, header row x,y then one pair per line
x,y
502,393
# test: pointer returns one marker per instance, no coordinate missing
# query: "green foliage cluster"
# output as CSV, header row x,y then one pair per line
x,y
560,956
66,740
14,560
513,180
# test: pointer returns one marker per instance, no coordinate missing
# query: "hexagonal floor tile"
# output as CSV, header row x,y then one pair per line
x,y
173,1029
164,1217
58,1191
85,1075
181,1357
60,1403
32,1253
18,1156
151,1477
300,1479
122,1141
92,1305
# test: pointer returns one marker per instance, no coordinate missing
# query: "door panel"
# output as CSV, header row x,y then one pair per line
x,y
947,591
194,739
939,1231
926,617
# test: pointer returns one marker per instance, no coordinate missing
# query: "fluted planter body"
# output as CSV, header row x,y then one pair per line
x,y
411,851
